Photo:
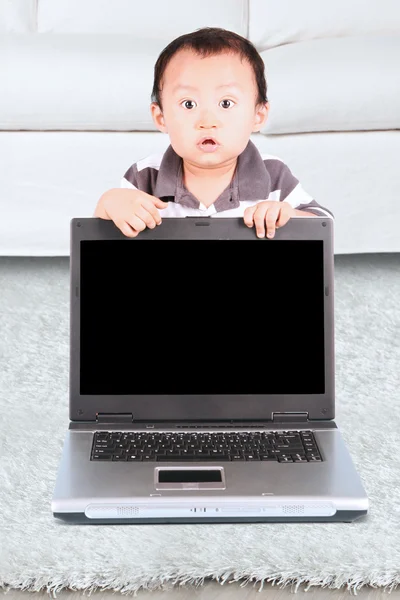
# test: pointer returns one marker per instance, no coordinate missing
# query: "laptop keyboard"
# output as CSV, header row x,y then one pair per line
x,y
279,446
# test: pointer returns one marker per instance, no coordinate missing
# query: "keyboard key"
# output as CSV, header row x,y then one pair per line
x,y
192,457
102,456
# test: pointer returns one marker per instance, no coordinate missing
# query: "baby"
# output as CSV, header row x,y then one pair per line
x,y
209,95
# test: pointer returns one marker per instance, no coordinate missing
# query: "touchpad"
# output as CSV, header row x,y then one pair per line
x,y
184,478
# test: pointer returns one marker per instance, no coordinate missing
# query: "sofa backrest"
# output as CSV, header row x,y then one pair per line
x,y
276,22
158,19
267,23
67,77
18,16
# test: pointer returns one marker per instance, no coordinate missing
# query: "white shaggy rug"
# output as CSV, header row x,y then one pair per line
x,y
36,552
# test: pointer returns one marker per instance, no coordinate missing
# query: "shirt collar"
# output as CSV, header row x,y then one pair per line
x,y
251,180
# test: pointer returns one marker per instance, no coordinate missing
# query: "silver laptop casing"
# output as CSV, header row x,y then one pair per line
x,y
96,492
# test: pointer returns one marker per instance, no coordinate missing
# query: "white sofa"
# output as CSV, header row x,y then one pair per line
x,y
76,78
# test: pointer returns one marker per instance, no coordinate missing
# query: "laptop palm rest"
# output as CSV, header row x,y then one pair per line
x,y
187,478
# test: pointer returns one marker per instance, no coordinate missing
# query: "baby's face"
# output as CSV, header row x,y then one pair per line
x,y
204,108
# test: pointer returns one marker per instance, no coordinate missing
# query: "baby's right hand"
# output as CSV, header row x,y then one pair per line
x,y
131,210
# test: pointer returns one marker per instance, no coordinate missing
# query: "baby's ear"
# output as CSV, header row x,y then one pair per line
x,y
158,117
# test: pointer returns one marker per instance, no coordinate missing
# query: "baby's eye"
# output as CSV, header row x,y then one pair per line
x,y
226,100
188,101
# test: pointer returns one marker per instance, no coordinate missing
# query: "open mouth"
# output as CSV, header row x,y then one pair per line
x,y
207,142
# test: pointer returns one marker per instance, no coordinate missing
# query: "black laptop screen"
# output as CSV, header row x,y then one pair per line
x,y
201,317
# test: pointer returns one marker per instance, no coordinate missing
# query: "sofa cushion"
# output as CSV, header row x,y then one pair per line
x,y
276,22
335,84
18,16
77,82
156,19
50,177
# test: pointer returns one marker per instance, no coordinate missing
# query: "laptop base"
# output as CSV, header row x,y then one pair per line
x,y
341,516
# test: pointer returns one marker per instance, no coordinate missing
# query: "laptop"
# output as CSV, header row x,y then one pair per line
x,y
202,377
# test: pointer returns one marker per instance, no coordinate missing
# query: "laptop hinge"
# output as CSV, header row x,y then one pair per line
x,y
114,417
288,417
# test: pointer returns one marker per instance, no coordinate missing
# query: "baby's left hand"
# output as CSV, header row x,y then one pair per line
x,y
270,212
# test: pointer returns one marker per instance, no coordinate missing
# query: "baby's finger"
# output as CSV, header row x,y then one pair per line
x,y
284,215
270,219
144,213
150,207
160,203
126,228
136,223
259,220
248,215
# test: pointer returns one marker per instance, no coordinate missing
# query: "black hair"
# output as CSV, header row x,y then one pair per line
x,y
210,41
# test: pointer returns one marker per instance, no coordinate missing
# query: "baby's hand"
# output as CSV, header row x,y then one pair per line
x,y
131,210
269,212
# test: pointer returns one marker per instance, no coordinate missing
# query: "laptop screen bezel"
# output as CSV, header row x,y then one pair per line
x,y
197,407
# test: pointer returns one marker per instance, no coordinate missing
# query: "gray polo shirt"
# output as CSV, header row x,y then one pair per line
x,y
257,177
